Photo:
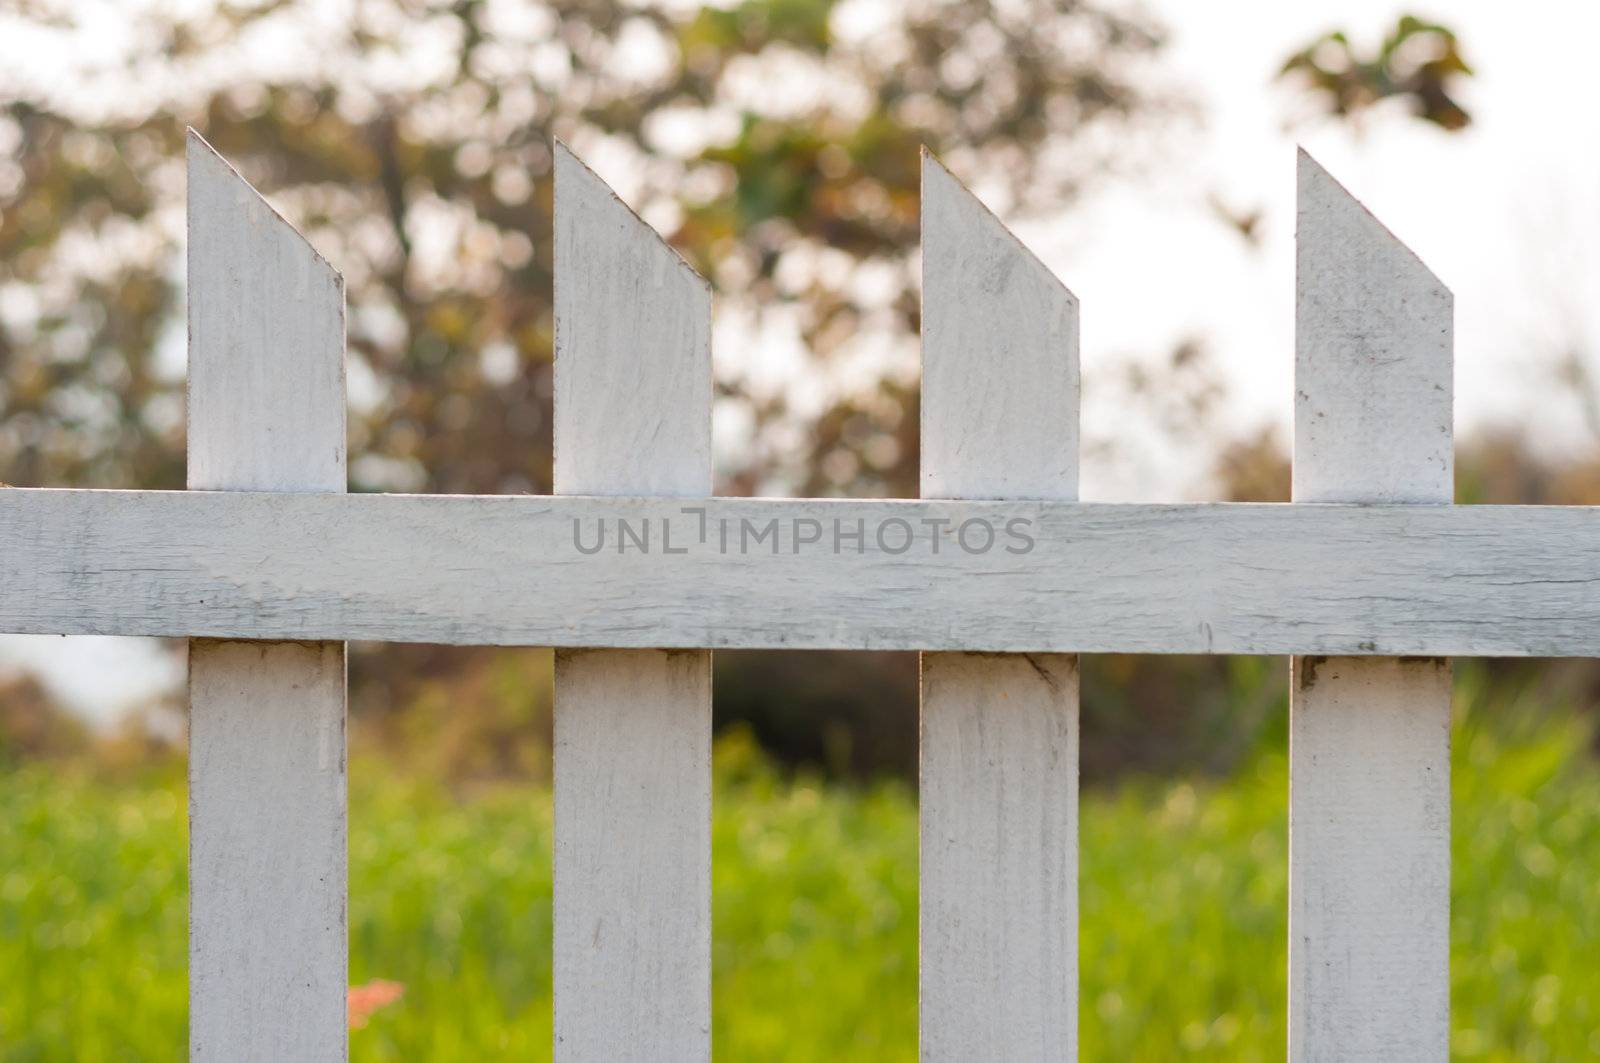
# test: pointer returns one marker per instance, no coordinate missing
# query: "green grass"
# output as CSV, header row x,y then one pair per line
x,y
1183,900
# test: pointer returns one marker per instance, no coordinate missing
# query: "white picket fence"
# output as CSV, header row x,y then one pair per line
x,y
1000,577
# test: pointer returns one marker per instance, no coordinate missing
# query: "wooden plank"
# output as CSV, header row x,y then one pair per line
x,y
267,941
1100,578
632,728
1369,805
998,791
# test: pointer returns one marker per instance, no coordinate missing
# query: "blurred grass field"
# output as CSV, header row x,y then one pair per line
x,y
1183,911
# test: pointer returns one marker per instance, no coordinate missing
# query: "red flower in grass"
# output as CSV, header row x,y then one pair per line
x,y
366,999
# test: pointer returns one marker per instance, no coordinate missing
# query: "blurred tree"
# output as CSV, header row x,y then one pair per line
x,y
1418,62
775,140
33,724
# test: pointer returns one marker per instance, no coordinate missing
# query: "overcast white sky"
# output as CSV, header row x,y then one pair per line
x,y
1507,213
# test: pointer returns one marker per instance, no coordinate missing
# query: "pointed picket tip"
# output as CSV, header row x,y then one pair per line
x,y
632,351
578,187
946,201
266,383
999,356
1327,209
213,180
1374,369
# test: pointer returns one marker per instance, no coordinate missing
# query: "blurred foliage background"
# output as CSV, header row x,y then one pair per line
x,y
775,143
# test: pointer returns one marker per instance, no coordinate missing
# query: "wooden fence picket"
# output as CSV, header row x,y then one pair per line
x,y
632,727
1369,770
999,745
267,938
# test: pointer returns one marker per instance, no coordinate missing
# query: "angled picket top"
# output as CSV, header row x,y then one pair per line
x,y
1370,580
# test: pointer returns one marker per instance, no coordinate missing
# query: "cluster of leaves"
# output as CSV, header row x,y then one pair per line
x,y
1419,62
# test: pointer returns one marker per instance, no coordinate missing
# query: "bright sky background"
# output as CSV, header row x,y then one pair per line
x,y
1507,213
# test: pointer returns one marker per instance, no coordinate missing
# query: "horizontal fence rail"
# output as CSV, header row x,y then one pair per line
x,y
1098,577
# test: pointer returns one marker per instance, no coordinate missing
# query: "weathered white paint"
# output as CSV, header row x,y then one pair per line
x,y
633,350
267,939
633,855
999,356
1101,578
999,752
267,942
266,343
1369,912
1369,837
632,728
1373,366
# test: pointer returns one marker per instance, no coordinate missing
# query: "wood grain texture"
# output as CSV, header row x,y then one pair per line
x,y
998,792
633,350
632,728
1101,578
267,849
267,879
633,855
266,343
1369,864
1373,367
998,907
999,356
